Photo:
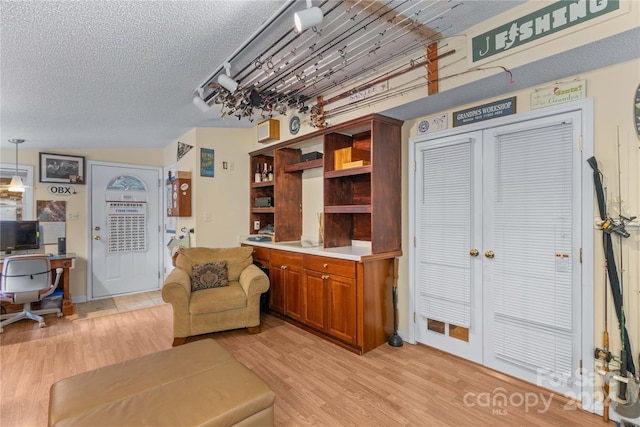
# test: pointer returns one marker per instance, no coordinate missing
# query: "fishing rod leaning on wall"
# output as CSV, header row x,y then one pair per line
x,y
626,402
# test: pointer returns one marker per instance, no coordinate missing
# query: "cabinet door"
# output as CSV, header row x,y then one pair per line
x,y
276,288
293,293
341,321
315,296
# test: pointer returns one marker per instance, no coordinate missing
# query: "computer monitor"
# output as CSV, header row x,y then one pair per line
x,y
19,235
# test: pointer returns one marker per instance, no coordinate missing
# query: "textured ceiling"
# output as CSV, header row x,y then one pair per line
x,y
115,74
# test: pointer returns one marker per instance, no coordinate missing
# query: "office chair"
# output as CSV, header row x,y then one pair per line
x,y
26,279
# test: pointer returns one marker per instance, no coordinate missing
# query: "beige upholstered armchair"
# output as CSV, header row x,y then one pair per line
x,y
204,300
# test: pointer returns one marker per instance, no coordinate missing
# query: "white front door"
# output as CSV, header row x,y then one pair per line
x,y
125,229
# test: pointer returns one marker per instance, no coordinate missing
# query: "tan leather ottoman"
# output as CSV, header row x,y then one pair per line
x,y
197,384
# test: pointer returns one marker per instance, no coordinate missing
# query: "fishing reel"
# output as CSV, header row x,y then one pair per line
x,y
610,226
603,354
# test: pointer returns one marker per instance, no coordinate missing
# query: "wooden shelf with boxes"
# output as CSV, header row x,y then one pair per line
x,y
361,180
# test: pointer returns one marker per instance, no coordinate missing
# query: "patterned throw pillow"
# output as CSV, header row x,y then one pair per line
x,y
210,275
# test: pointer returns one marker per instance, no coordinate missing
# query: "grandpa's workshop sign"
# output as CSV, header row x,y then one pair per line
x,y
536,25
492,110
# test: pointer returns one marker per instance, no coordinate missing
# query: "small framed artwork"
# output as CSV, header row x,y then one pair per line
x,y
61,168
207,161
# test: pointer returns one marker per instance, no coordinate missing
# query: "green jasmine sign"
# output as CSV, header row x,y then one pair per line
x,y
541,23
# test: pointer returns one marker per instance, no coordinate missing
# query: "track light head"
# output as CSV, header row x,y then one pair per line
x,y
310,17
225,80
200,103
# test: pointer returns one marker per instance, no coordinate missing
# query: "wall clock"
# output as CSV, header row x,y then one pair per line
x,y
294,125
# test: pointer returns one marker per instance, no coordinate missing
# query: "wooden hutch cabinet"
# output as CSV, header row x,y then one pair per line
x,y
345,299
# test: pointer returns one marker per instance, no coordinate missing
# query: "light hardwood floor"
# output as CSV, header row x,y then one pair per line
x,y
316,383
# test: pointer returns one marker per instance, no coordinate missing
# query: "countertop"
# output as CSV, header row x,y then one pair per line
x,y
359,251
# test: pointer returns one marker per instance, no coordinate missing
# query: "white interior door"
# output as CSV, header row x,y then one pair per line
x,y
532,226
125,229
448,214
511,193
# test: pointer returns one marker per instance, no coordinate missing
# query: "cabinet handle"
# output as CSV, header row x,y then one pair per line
x,y
284,267
473,252
489,254
325,265
325,276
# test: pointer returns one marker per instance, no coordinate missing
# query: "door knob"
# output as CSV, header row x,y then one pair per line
x,y
489,254
97,228
473,252
96,237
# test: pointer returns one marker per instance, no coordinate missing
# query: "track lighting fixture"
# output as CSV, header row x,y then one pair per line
x,y
289,70
198,100
226,81
310,17
16,184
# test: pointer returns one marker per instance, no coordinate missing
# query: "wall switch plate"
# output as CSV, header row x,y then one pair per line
x,y
256,225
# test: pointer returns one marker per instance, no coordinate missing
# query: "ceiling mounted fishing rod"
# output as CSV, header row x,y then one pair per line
x,y
321,48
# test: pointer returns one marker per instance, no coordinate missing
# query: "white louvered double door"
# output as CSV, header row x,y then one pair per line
x,y
497,268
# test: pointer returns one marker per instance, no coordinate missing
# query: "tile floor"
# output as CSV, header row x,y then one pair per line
x,y
119,304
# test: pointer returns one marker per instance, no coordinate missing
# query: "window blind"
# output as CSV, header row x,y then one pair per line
x,y
532,233
444,234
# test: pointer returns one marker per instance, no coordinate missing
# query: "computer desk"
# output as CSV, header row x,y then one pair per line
x,y
64,261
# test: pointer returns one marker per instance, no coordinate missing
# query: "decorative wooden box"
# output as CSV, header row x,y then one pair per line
x,y
346,158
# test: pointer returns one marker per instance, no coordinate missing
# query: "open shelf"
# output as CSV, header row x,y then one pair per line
x,y
311,164
347,209
348,172
262,210
262,184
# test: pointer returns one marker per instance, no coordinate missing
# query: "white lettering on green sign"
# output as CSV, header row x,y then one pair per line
x,y
541,23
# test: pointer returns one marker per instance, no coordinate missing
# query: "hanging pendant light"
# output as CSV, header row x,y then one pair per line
x,y
16,184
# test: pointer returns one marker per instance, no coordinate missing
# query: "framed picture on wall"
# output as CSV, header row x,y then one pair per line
x,y
207,161
61,168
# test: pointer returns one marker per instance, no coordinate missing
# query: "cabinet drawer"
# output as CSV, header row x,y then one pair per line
x,y
261,253
286,258
340,267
